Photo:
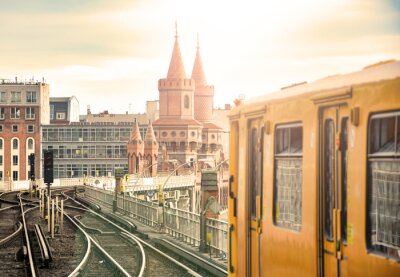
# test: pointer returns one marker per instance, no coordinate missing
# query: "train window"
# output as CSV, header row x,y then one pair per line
x,y
383,187
288,176
289,140
382,135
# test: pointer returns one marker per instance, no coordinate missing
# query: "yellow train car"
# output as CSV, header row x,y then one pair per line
x,y
315,178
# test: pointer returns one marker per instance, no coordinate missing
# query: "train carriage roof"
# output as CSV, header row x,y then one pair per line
x,y
377,72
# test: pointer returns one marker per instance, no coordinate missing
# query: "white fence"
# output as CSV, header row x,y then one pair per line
x,y
24,185
180,224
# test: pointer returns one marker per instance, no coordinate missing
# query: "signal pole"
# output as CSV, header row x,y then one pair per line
x,y
32,174
48,174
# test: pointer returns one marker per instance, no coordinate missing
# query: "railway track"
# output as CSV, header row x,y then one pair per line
x,y
135,256
11,237
91,244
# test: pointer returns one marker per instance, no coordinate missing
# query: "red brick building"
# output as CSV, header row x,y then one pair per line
x,y
185,126
24,107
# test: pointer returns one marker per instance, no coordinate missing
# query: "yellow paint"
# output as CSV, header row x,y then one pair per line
x,y
350,234
209,237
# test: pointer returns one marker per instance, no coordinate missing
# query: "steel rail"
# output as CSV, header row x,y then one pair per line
x,y
143,267
86,257
190,271
108,256
13,235
84,261
28,245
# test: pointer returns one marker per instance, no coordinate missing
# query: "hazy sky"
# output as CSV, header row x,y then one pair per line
x,y
111,53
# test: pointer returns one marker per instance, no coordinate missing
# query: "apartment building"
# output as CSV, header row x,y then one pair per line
x,y
24,107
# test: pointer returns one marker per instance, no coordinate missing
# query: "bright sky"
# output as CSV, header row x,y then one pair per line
x,y
110,54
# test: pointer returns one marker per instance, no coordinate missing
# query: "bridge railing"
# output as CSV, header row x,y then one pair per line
x,y
143,211
218,231
182,225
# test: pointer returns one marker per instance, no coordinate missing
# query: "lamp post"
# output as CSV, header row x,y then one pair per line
x,y
161,188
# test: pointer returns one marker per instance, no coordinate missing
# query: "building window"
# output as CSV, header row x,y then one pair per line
x,y
2,113
1,175
30,129
383,199
288,176
15,97
51,112
2,96
31,97
1,143
186,100
15,160
15,144
15,175
14,128
30,144
15,113
30,113
1,128
1,160
60,115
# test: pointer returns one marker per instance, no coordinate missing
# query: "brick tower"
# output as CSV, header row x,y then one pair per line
x,y
176,129
150,151
135,151
203,93
203,110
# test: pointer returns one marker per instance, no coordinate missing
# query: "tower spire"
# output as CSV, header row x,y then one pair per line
x,y
198,71
135,134
176,69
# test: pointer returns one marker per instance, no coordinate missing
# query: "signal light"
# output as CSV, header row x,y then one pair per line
x,y
32,166
48,167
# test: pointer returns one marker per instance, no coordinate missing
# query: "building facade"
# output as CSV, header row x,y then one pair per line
x,y
88,149
24,107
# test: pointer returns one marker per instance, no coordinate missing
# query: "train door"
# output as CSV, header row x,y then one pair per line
x,y
333,189
254,195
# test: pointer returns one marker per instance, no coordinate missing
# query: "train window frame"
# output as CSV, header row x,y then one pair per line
x,y
290,221
382,166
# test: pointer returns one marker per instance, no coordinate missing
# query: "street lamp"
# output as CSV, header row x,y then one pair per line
x,y
161,188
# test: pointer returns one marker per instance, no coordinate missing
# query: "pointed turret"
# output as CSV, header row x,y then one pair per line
x,y
203,93
150,137
176,69
151,151
135,149
135,135
198,72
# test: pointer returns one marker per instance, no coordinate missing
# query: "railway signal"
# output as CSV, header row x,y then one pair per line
x,y
48,167
32,166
